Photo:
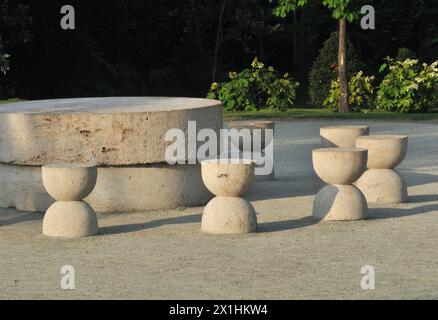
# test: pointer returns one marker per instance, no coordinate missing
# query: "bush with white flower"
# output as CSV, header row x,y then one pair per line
x,y
408,86
361,93
255,88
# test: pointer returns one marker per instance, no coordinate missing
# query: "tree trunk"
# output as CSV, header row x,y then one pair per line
x,y
342,63
218,39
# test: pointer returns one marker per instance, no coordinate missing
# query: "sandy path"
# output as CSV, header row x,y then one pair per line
x,y
162,255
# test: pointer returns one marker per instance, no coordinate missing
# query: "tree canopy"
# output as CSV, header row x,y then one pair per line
x,y
167,47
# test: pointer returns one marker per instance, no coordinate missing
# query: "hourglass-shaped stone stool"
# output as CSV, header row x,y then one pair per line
x,y
228,212
342,136
339,168
69,216
381,183
265,140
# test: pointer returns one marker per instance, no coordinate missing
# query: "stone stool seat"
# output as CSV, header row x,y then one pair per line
x,y
342,136
381,183
339,168
228,212
265,139
69,216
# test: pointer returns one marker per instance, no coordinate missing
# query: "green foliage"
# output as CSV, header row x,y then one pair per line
x,y
166,48
284,7
341,9
4,61
324,69
256,88
405,53
361,93
407,86
15,24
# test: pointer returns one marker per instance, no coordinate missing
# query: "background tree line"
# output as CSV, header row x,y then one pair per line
x,y
178,48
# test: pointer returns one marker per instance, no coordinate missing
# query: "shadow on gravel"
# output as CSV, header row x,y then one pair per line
x,y
285,187
277,226
423,198
418,179
20,218
127,228
389,213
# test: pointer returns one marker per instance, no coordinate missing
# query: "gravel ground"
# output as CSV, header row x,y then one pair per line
x,y
163,255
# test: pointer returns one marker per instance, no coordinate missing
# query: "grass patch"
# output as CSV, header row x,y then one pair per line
x,y
10,100
308,113
314,113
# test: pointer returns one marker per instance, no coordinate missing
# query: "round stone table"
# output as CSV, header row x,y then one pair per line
x,y
123,136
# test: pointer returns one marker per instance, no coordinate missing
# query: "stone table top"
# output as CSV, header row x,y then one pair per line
x,y
107,105
104,131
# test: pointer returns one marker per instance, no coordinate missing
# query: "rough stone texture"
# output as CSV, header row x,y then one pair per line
x,y
340,203
228,212
226,179
339,165
120,189
342,136
251,125
229,215
70,219
124,136
105,131
384,151
69,182
383,186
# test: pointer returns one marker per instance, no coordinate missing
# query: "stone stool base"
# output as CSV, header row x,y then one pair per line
x,y
383,186
340,203
70,219
229,215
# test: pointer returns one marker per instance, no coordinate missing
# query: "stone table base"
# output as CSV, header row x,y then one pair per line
x,y
119,189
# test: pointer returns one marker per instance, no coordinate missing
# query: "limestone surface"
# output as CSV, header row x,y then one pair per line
x,y
228,212
340,203
384,151
383,186
105,131
69,216
70,219
118,189
342,136
229,215
251,125
69,182
226,179
264,139
339,165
